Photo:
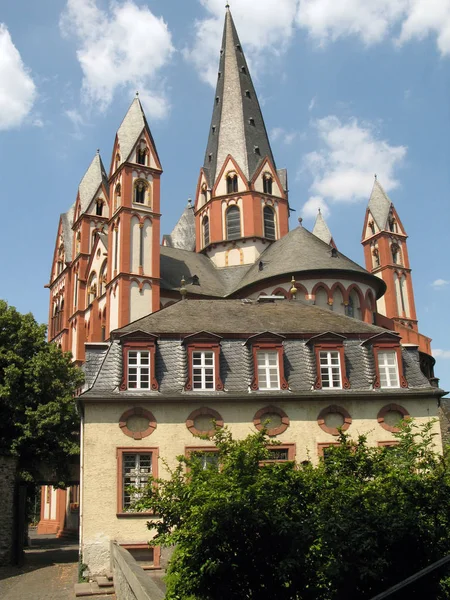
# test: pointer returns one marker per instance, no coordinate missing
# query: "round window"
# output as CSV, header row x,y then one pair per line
x,y
137,423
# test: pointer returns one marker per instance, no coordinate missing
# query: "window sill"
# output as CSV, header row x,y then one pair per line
x,y
134,515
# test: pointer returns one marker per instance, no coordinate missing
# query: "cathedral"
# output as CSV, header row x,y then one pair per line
x,y
232,318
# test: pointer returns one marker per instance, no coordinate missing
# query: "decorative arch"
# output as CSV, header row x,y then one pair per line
x,y
233,222
232,182
234,250
141,189
279,291
356,304
316,290
92,288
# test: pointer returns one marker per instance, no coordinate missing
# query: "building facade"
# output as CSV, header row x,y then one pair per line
x,y
234,318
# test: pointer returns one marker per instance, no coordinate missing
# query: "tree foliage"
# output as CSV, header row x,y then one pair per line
x,y
361,521
38,418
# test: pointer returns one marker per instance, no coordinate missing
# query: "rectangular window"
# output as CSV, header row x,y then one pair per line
x,y
136,472
387,365
138,369
203,370
330,369
268,370
209,458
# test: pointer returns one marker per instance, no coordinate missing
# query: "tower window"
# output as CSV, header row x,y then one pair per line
x,y
140,188
372,227
395,254
99,208
247,93
142,156
392,224
243,69
376,257
267,185
269,223
117,161
232,184
213,129
233,223
209,157
205,231
219,74
217,99
251,121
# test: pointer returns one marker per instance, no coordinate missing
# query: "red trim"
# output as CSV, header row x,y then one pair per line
x,y
391,408
326,347
266,342
141,412
133,450
143,344
289,447
201,412
258,420
145,546
395,347
331,410
203,341
323,446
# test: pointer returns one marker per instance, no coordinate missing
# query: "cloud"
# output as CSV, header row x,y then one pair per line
x,y
348,156
126,46
265,26
328,20
312,104
312,205
17,89
441,353
440,283
281,135
77,121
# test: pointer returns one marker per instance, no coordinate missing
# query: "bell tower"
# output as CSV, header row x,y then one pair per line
x,y
241,202
386,256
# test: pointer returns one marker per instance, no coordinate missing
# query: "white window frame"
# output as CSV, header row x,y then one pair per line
x,y
203,370
264,371
328,367
140,368
138,476
383,367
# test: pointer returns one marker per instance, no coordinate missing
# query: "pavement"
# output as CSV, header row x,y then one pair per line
x,y
49,572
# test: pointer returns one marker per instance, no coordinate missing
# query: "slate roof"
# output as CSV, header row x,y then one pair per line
x,y
321,229
379,205
237,124
247,317
183,234
131,128
94,177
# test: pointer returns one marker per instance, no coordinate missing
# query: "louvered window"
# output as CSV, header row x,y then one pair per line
x,y
232,184
137,469
269,223
330,369
268,371
205,231
387,366
233,220
203,370
138,369
267,185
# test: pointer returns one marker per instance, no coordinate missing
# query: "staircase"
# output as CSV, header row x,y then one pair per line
x,y
102,587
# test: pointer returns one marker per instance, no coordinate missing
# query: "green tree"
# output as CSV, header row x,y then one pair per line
x,y
362,520
38,417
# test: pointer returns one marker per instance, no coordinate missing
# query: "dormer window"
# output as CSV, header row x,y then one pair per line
x,y
232,183
387,354
138,357
267,184
141,157
269,223
268,364
203,351
330,361
388,369
99,208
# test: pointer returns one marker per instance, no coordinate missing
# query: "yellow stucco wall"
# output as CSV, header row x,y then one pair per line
x,y
102,436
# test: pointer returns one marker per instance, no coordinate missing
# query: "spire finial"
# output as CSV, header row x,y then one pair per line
x,y
227,6
98,150
319,210
300,220
293,290
375,177
137,94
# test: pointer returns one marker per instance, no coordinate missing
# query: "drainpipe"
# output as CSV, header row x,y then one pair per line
x,y
80,549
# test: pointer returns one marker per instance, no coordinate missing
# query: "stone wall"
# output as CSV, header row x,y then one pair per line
x,y
131,582
7,489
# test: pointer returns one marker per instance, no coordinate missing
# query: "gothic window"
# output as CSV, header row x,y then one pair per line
x,y
321,298
350,307
232,183
92,288
142,156
117,160
267,184
204,195
233,223
140,187
102,280
372,227
395,254
77,243
376,257
392,224
99,208
117,194
269,223
205,231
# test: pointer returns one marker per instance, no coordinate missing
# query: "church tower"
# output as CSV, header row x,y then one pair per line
x,y
386,256
241,202
133,287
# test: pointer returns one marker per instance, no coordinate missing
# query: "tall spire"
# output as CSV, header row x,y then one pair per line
x,y
322,231
379,204
132,127
237,125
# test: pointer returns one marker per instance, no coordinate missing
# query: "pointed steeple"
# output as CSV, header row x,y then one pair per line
x,y
237,125
379,205
131,129
322,231
94,177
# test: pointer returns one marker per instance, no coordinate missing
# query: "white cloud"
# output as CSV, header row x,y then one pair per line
x,y
348,156
126,46
266,25
77,121
372,22
440,283
441,353
17,89
312,205
283,136
312,104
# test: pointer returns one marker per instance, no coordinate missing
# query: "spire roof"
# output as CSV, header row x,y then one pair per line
x,y
321,230
379,205
237,125
94,177
131,128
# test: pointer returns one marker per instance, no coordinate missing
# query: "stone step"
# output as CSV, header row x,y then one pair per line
x,y
92,589
104,582
109,575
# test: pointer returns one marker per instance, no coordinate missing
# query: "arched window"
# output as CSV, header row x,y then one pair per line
x,y
205,231
117,194
232,183
99,208
117,160
142,156
92,289
354,305
372,227
204,195
140,187
60,315
392,224
77,243
102,280
395,254
233,223
267,184
321,298
376,257
269,223
338,302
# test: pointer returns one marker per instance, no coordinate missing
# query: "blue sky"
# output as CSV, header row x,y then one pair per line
x,y
347,90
